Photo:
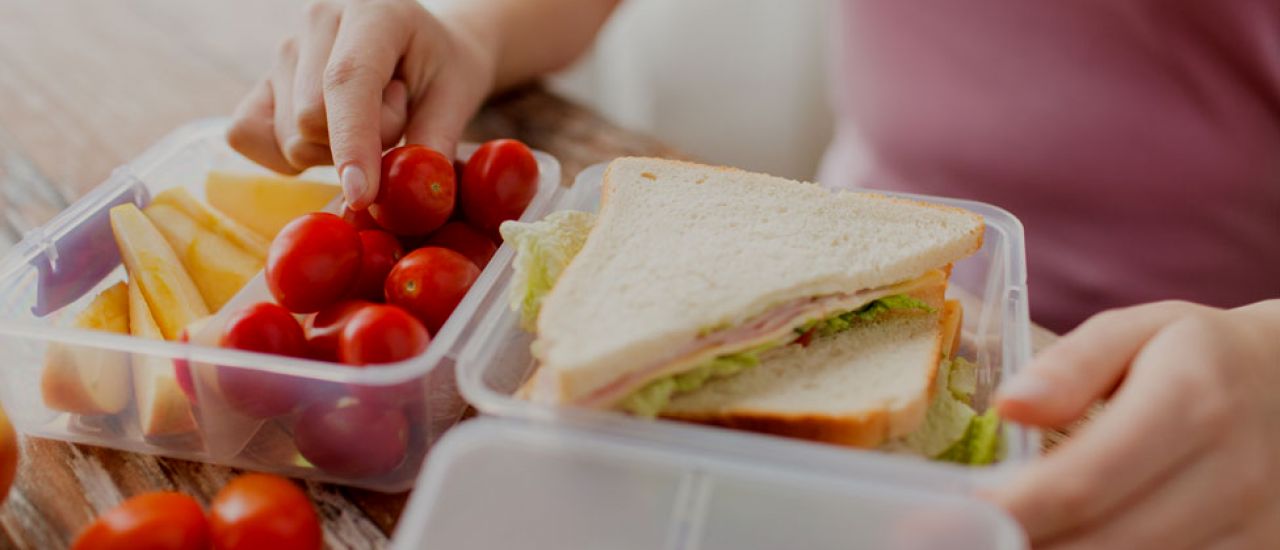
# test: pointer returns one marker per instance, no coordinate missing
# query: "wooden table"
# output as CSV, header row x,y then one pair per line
x,y
85,86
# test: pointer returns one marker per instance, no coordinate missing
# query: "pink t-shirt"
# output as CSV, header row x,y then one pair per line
x,y
1138,141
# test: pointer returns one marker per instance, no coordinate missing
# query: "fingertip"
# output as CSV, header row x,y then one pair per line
x,y
357,186
1029,398
1018,411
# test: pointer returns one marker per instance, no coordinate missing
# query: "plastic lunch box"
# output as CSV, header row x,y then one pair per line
x,y
57,269
534,476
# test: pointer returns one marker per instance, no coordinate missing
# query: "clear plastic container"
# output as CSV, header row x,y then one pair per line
x,y
57,269
996,333
544,477
505,483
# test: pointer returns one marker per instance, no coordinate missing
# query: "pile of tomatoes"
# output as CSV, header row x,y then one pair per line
x,y
373,287
254,511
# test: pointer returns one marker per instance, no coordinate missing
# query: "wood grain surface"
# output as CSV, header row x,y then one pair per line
x,y
85,86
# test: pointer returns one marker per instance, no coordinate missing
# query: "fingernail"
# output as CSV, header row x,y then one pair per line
x,y
1026,387
354,183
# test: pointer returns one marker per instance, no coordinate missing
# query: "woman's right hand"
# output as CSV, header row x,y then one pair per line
x,y
362,74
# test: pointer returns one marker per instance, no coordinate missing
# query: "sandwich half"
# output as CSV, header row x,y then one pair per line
x,y
687,267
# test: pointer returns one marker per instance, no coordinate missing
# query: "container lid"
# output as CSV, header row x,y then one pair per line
x,y
503,483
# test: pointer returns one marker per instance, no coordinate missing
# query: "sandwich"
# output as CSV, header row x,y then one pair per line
x,y
720,296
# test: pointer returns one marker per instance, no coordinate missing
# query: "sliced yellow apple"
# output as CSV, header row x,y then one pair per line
x,y
174,299
218,268
215,221
8,455
266,203
163,409
90,381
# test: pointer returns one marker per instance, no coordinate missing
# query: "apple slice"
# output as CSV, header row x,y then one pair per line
x,y
89,381
266,203
8,455
218,267
173,297
215,221
163,409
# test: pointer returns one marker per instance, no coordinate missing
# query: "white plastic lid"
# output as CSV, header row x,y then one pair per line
x,y
500,483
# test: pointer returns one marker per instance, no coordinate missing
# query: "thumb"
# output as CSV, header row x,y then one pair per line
x,y
1084,365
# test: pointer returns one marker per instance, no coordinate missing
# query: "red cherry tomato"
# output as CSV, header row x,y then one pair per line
x,y
379,252
324,329
360,219
263,512
500,180
429,283
351,437
313,262
463,239
379,334
181,369
154,521
266,328
417,191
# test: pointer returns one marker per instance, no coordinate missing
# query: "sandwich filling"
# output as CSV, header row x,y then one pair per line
x,y
728,351
651,399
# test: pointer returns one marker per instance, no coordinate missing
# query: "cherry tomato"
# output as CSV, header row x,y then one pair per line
x,y
360,219
263,512
265,328
379,252
500,180
313,262
152,521
324,329
417,191
463,239
8,455
429,283
352,437
181,369
380,334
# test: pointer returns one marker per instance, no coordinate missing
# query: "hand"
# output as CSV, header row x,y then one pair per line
x,y
1187,452
361,75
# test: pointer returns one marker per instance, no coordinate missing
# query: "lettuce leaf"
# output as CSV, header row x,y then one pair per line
x,y
870,312
952,430
963,379
945,421
649,400
543,249
980,443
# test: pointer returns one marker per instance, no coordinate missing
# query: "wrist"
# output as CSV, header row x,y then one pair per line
x,y
477,28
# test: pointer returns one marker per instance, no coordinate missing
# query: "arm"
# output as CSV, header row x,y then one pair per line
x,y
364,73
529,38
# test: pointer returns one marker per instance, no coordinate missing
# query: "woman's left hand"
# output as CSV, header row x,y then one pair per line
x,y
1186,453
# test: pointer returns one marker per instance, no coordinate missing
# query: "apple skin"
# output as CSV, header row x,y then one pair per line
x,y
8,455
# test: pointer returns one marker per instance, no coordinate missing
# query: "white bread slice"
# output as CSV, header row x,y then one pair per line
x,y
85,380
162,407
681,249
860,387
